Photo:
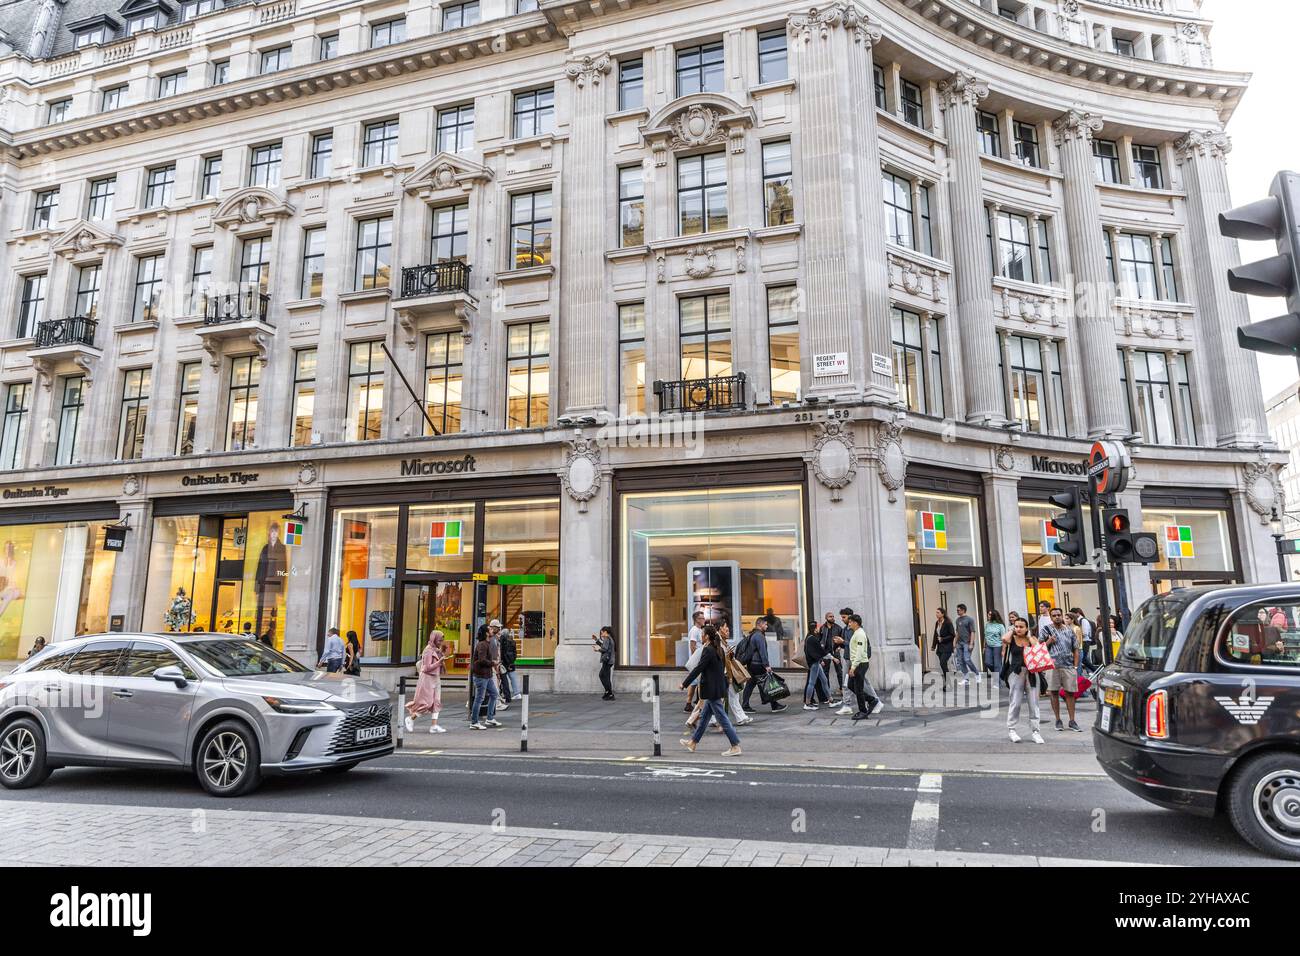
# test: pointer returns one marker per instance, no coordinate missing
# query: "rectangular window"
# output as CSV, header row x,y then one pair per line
x,y
31,307
528,375
193,8
1167,269
200,280
1137,266
631,206
264,167
1184,387
778,184
878,86
322,156
704,323
1027,153
171,84
990,133
460,15
631,84
139,24
365,419
255,263
444,358
456,129
304,397
387,33
13,439
899,223
1014,249
112,99
374,253
1046,273
148,288
1026,383
272,61
328,47
773,57
1153,418
58,111
87,301
1123,46
135,413
525,6
912,373
99,205
702,193
631,358
911,104
220,72
45,209
450,239
1147,168
379,143
534,113
158,186
700,69
312,281
72,399
241,405
783,367
530,229
210,182
187,417
85,38
1106,153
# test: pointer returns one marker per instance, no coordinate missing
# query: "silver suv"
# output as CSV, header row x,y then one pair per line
x,y
227,708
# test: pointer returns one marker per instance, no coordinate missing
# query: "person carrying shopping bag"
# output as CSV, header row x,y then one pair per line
x,y
711,672
1022,682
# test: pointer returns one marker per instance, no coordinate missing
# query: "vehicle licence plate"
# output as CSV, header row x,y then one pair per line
x,y
366,734
1115,698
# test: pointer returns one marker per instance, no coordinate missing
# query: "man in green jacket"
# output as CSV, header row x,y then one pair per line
x,y
859,660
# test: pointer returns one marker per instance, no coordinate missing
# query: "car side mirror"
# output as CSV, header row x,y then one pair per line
x,y
171,674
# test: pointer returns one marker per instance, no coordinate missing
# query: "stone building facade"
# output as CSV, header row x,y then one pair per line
x,y
392,316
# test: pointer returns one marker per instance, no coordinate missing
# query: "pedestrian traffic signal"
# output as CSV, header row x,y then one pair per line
x,y
1125,546
1070,542
1276,218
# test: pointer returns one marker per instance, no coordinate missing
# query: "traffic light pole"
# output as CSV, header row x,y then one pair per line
x,y
1103,597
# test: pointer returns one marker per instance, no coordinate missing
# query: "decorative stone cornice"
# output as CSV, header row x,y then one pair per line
x,y
1075,124
962,87
1203,144
583,70
820,22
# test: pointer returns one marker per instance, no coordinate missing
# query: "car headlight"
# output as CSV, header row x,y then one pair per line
x,y
287,705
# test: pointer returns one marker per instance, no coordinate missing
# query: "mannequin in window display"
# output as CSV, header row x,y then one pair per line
x,y
9,589
269,581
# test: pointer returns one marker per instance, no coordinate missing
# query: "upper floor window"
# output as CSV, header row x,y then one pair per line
x,y
72,402
1159,400
274,60
322,155
702,193
194,8
705,336
99,203
148,288
459,15
200,280
58,111
450,239
187,418
304,397
313,263
365,410
264,168
1021,250
327,47
911,105
171,84
13,439
990,132
86,303
46,208
1028,381
1147,168
220,72
379,143
918,372
158,186
525,6
773,57
783,365
1107,155
255,263
778,184
31,306
534,113
146,21
456,128
530,229
631,84
907,213
444,358
631,358
878,86
387,33
136,385
700,69
631,206
1143,267
1027,153
374,253
1123,46
528,375
85,38
210,181
241,407
112,98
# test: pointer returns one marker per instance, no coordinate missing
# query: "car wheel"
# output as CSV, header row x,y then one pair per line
x,y
22,755
229,760
1264,804
338,768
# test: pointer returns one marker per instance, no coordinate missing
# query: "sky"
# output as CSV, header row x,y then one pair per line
x,y
1257,37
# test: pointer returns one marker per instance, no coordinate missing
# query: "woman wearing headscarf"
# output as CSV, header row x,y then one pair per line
x,y
428,690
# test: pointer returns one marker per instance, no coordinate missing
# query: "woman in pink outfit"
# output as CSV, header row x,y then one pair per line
x,y
428,692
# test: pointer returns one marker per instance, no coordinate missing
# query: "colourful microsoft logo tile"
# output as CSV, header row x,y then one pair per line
x,y
293,533
933,531
444,538
1050,538
1178,541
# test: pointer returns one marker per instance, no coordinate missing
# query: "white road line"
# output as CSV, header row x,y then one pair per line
x,y
632,776
924,831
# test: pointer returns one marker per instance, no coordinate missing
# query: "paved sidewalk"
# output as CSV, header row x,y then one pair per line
x,y
62,834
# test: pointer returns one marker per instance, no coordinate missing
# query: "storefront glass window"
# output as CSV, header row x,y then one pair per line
x,y
521,554
54,583
365,565
441,538
734,552
1038,538
943,529
1189,540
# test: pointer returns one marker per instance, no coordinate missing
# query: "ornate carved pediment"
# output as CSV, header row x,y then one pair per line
x,y
84,239
695,122
251,208
445,173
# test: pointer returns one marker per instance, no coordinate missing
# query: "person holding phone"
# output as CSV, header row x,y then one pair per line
x,y
603,644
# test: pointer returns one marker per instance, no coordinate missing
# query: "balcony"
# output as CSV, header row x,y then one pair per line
x,y
245,306
432,293
74,332
239,319
722,393
437,278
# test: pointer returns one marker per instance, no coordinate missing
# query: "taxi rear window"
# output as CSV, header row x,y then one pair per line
x,y
1151,630
1265,633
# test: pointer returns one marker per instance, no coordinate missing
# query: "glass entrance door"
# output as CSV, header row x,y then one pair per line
x,y
434,605
931,592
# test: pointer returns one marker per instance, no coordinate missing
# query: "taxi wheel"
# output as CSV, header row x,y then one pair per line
x,y
1264,803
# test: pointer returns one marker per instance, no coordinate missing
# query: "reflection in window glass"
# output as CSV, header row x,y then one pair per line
x,y
1190,540
1267,633
365,564
441,538
943,529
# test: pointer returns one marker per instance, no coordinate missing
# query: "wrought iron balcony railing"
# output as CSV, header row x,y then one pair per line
x,y
720,393
74,330
436,278
247,305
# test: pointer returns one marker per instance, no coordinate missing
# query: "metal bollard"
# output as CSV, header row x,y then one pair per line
x,y
523,719
400,725
654,702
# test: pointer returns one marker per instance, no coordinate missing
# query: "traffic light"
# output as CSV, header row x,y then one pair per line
x,y
1276,218
1125,546
1070,542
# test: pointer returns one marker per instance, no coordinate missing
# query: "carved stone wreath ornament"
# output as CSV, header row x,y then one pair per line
x,y
834,460
1263,489
891,463
581,474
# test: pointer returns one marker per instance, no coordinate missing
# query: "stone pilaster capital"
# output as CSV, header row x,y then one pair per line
x,y
1075,125
962,87
1203,144
584,70
821,22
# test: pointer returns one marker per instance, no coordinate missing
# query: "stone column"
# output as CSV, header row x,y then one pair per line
x,y
1182,436
585,544
583,322
1131,390
1090,279
959,95
1002,499
1238,412
845,282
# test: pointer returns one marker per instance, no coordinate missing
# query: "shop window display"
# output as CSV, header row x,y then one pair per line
x,y
521,554
365,547
1190,541
943,529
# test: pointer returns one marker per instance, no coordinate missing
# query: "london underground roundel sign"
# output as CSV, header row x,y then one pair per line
x,y
1108,467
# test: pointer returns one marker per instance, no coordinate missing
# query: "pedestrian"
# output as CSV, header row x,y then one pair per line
x,y
860,661
603,644
247,632
509,654
331,657
428,688
753,654
694,641
1023,684
1063,643
711,677
38,645
944,637
829,631
737,675
483,667
1044,617
813,654
841,641
993,631
965,625
352,655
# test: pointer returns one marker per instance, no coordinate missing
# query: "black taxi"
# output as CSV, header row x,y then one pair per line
x,y
1200,710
